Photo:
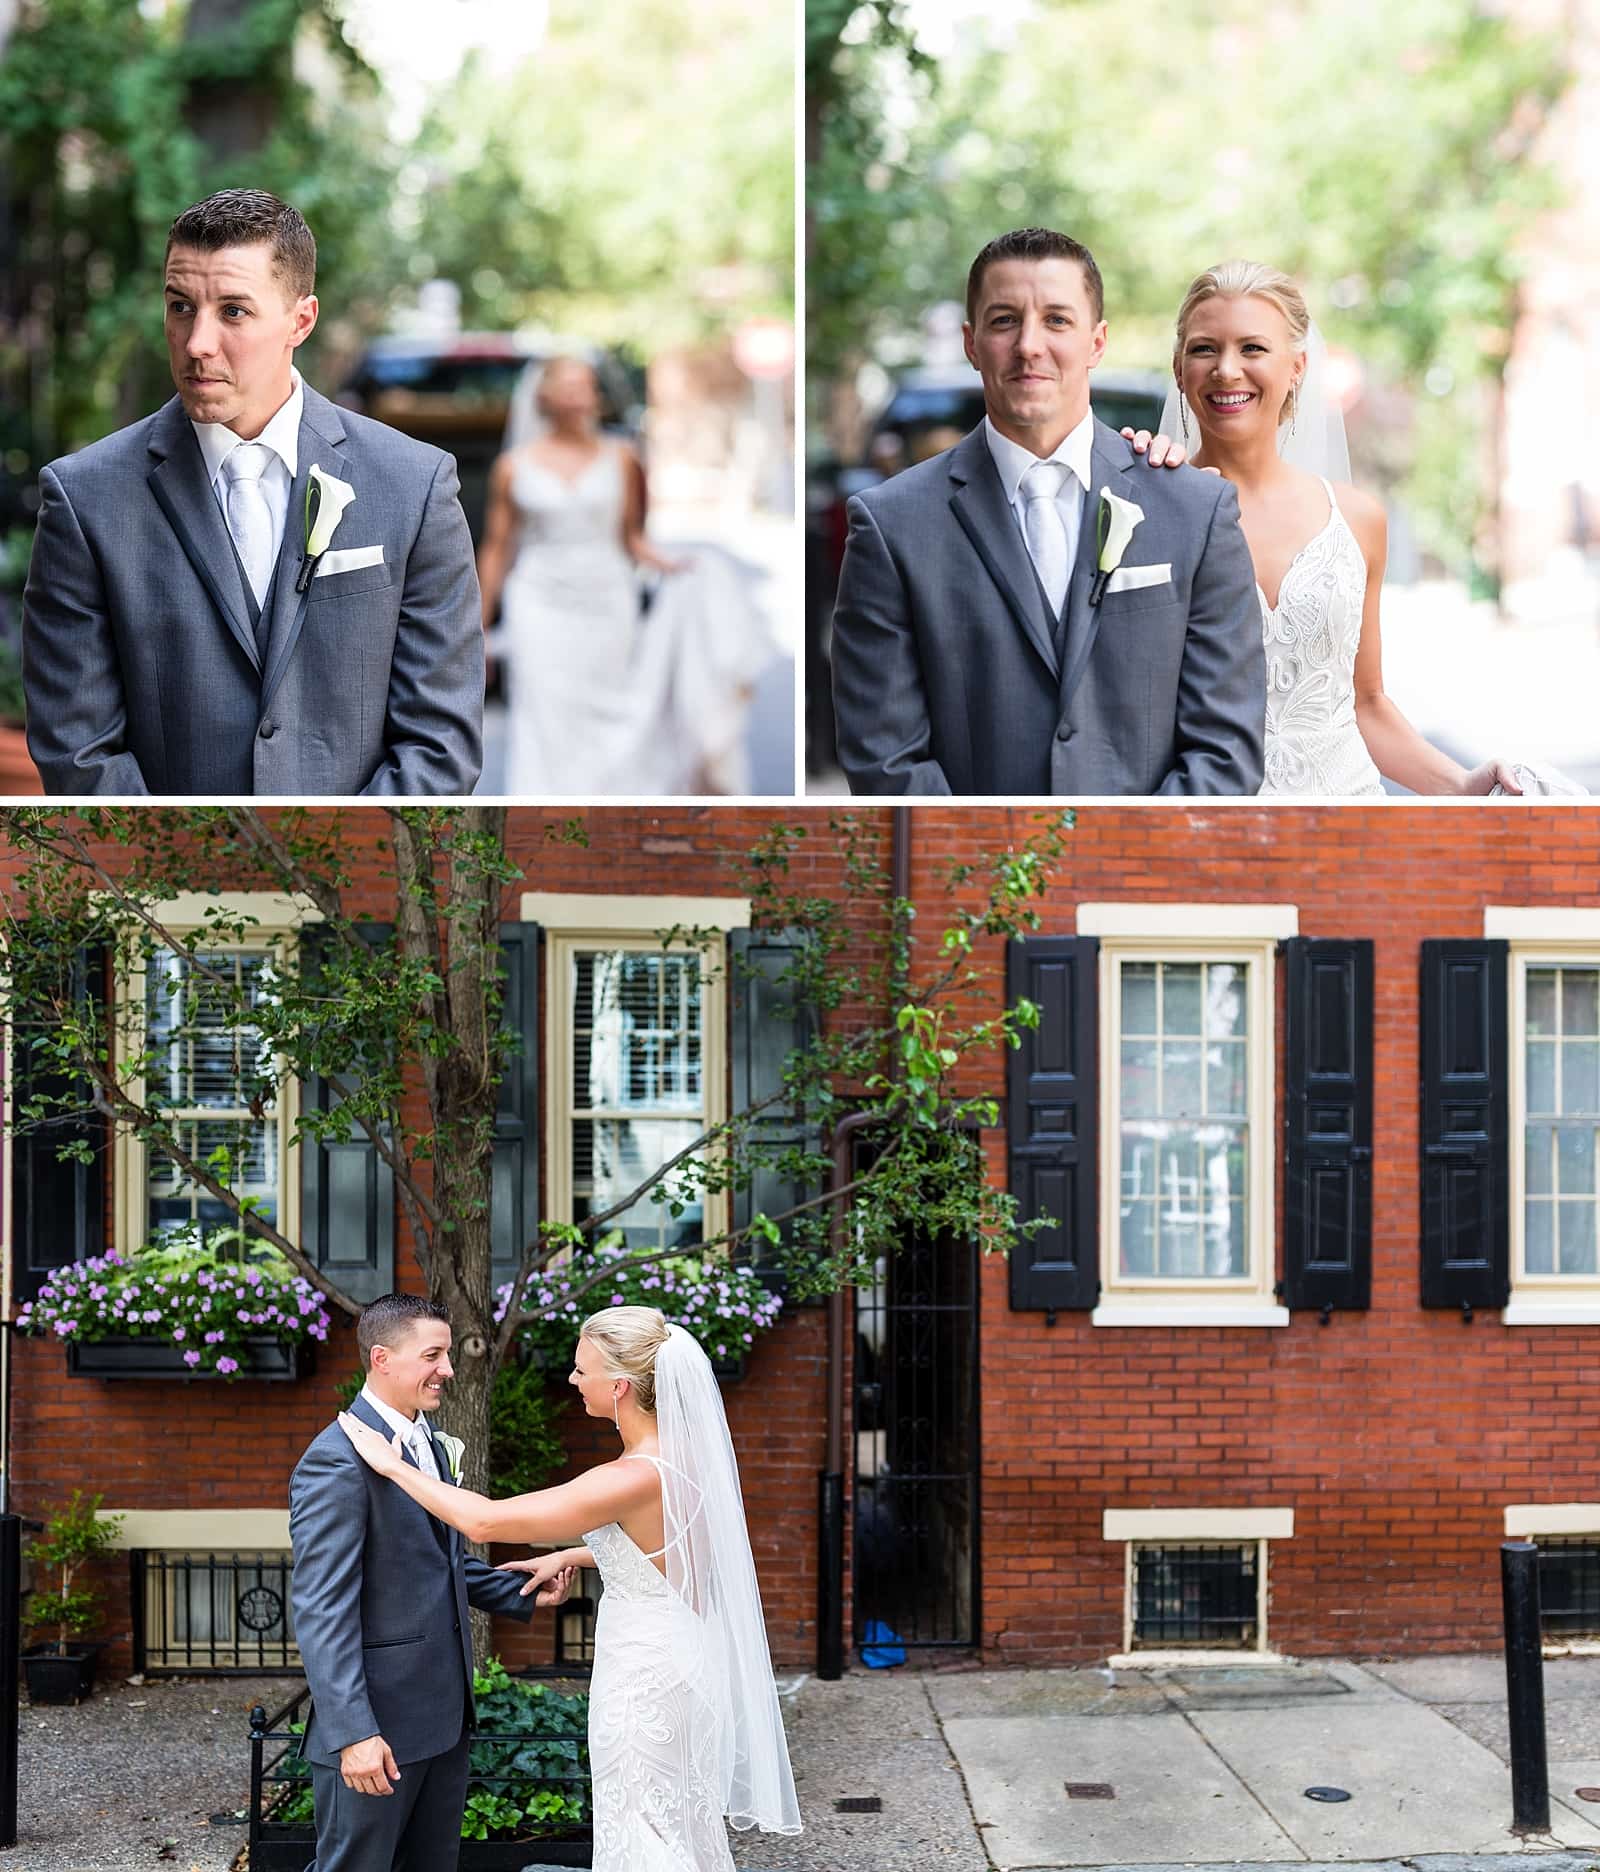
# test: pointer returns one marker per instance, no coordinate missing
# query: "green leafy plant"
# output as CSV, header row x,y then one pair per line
x,y
73,1537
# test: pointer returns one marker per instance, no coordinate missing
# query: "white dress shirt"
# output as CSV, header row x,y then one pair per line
x,y
1013,461
282,437
412,1430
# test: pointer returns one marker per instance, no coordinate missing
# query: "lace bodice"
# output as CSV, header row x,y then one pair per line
x,y
585,511
628,1574
1313,742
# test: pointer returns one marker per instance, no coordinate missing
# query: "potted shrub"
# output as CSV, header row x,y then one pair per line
x,y
177,1310
62,1671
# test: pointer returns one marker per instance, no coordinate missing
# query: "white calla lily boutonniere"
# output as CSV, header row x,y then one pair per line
x,y
454,1451
1114,528
326,499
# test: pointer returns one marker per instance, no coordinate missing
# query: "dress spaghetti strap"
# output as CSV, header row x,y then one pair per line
x,y
661,1463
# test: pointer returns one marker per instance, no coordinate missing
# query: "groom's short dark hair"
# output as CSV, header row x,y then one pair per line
x,y
389,1318
239,217
1036,244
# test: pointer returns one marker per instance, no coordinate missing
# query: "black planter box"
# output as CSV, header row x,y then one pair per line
x,y
54,1678
264,1358
290,1849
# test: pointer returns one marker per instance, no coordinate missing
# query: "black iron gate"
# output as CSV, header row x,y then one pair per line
x,y
916,1558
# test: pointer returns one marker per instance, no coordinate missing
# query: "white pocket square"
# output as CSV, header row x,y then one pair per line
x,y
1133,578
351,559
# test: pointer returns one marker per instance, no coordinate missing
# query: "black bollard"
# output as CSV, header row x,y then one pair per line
x,y
830,1576
1530,1767
10,1670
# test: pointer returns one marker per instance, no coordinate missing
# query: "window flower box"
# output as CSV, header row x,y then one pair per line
x,y
262,1357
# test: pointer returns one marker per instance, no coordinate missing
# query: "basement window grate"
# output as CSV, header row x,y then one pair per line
x,y
1569,1586
1195,1596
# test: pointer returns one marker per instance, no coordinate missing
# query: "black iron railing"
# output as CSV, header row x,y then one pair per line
x,y
1194,1595
283,1832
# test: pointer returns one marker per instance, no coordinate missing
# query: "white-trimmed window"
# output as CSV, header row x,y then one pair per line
x,y
170,1006
1195,1582
638,1066
1188,1091
1553,986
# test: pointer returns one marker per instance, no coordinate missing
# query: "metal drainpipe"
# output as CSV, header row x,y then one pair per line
x,y
830,1483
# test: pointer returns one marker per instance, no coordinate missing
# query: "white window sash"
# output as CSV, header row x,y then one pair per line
x,y
1527,955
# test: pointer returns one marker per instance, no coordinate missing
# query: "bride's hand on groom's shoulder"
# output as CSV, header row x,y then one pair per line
x,y
550,1575
1489,774
376,1451
1161,450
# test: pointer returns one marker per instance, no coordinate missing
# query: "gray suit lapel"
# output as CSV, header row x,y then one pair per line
x,y
978,501
1109,462
178,482
320,445
362,1409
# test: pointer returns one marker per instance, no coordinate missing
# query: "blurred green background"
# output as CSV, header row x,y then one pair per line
x,y
1396,156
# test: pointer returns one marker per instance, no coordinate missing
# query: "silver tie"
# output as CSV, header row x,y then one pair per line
x,y
1046,530
249,516
422,1449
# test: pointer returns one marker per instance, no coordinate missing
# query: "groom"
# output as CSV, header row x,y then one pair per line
x,y
381,1591
251,591
975,648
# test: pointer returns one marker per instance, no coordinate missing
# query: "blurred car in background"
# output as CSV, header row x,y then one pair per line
x,y
456,392
927,412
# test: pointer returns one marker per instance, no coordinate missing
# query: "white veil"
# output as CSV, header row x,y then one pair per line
x,y
1317,441
710,1568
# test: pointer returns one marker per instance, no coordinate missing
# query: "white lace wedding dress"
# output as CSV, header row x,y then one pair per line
x,y
569,631
1313,744
652,1727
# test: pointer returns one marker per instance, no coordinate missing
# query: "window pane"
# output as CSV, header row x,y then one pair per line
x,y
1542,1076
1580,1013
1575,1160
1580,1076
1138,1238
1180,1002
1139,1092
1541,1001
1539,1246
612,1157
1539,1158
1577,1237
1225,1079
1225,1012
1138,998
636,1024
1181,1092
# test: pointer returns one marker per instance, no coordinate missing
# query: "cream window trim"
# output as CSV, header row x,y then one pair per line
x,y
578,912
210,1530
1542,923
1126,1310
1173,1525
1538,1299
1250,1296
1179,1657
561,948
1524,1519
1180,922
130,1223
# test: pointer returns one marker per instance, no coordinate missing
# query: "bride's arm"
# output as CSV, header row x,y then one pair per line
x,y
549,1515
1398,751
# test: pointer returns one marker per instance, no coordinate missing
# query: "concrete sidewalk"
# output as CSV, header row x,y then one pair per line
x,y
1205,1767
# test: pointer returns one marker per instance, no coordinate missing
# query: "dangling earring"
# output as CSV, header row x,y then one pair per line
x,y
1183,417
1294,406
616,1412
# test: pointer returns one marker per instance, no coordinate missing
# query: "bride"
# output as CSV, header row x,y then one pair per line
x,y
684,1726
1250,370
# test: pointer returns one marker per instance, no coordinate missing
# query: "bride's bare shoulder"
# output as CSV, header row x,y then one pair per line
x,y
1365,515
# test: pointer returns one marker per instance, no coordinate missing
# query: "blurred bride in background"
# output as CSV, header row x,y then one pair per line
x,y
606,696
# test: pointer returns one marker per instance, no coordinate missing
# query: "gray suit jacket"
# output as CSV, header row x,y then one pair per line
x,y
142,668
950,675
381,1591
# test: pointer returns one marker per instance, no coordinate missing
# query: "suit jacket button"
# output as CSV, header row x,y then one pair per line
x,y
268,730
1064,733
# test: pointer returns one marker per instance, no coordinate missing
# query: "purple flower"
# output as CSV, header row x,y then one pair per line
x,y
227,1364
180,1333
191,1358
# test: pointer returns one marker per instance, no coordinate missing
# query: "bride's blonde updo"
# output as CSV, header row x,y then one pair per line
x,y
628,1339
1246,279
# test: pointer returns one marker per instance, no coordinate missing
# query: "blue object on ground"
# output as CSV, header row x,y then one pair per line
x,y
881,1647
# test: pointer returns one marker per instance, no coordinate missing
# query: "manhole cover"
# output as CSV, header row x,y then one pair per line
x,y
859,1803
1327,1794
1090,1790
1588,1794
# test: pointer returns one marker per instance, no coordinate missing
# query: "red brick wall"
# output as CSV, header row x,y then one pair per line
x,y
1396,1435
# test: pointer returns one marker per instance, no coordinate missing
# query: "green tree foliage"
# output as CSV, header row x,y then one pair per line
x,y
97,156
1379,150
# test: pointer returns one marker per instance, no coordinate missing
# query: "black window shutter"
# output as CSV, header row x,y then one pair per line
x,y
1052,1099
767,1024
1327,1132
59,1207
1465,1111
346,1190
514,1211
